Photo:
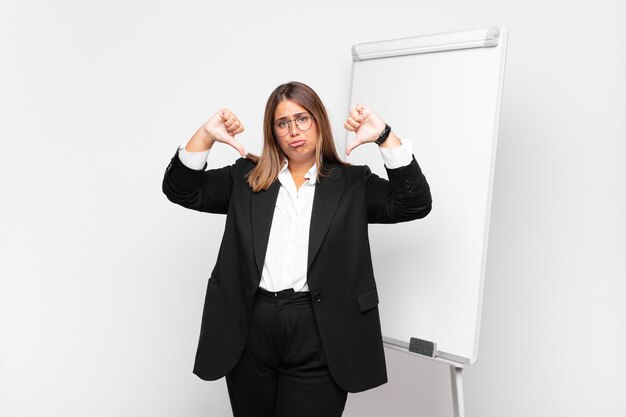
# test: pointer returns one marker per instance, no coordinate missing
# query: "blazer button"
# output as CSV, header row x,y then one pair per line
x,y
317,297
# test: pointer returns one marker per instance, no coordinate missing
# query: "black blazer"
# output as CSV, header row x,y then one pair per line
x,y
340,274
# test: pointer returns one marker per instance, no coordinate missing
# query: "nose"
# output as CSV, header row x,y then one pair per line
x,y
293,131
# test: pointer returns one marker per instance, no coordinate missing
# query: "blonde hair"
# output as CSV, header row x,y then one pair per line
x,y
269,164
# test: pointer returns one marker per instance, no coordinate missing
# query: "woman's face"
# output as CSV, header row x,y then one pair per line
x,y
298,145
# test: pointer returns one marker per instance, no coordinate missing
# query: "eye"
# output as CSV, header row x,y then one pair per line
x,y
302,119
281,124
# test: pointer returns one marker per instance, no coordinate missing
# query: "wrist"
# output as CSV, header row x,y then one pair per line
x,y
382,137
392,141
200,141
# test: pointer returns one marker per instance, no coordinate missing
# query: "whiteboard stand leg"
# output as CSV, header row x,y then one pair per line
x,y
456,377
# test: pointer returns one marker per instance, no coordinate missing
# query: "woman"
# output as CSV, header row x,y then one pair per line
x,y
290,315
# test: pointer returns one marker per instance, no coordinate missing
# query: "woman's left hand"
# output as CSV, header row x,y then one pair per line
x,y
367,125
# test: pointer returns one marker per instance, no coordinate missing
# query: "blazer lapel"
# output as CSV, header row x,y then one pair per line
x,y
262,212
327,195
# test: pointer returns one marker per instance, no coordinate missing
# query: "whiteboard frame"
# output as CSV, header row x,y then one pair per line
x,y
494,36
450,41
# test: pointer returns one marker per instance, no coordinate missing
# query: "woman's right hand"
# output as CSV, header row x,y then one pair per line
x,y
221,127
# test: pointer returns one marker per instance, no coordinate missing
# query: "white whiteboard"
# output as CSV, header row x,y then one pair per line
x,y
442,92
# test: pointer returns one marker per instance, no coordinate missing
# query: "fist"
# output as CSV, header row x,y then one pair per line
x,y
367,125
222,127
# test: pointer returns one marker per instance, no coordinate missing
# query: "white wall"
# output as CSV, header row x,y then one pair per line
x,y
102,279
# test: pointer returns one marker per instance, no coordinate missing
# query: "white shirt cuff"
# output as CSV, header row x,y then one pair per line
x,y
193,160
397,157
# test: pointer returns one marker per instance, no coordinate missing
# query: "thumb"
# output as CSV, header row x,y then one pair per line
x,y
238,146
351,146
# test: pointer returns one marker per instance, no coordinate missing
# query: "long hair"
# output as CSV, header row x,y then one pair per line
x,y
269,164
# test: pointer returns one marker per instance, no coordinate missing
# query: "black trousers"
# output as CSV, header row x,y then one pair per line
x,y
282,372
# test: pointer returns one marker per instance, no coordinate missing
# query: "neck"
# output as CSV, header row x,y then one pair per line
x,y
300,167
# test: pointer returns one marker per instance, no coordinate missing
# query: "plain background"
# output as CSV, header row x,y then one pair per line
x,y
102,280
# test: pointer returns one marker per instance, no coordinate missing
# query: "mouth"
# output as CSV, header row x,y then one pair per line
x,y
297,143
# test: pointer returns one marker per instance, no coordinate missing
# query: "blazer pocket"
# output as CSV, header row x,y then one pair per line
x,y
367,300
